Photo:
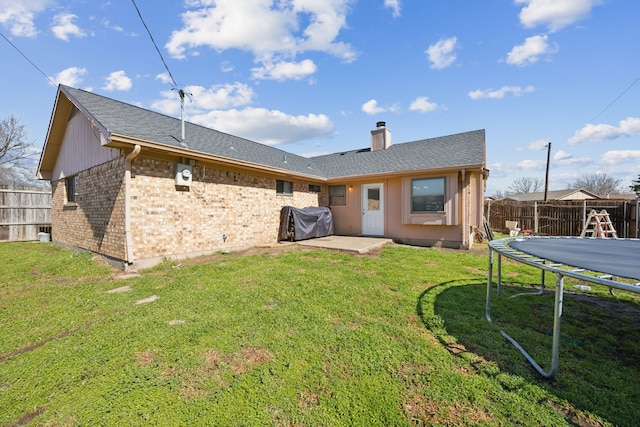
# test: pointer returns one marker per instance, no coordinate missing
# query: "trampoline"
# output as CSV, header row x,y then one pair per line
x,y
614,263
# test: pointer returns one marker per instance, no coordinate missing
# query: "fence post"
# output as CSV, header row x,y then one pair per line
x,y
535,217
584,214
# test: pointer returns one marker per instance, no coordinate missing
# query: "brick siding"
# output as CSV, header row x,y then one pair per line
x,y
222,210
169,220
96,220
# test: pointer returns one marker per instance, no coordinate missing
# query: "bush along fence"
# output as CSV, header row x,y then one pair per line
x,y
25,213
562,218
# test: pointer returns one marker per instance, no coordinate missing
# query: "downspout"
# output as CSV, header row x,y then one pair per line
x,y
127,203
465,210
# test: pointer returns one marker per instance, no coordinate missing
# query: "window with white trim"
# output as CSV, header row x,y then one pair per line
x,y
427,195
337,195
284,187
71,184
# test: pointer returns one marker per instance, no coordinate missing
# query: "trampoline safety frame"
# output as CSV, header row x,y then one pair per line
x,y
502,248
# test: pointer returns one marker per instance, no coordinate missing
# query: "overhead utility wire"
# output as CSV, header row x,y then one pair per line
x,y
30,61
615,100
154,44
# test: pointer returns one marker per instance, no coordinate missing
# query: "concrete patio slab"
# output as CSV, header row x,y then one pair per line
x,y
358,245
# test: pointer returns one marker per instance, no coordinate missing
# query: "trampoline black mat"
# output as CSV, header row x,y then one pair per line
x,y
618,257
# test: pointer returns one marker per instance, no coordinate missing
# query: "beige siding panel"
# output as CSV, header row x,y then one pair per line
x,y
81,149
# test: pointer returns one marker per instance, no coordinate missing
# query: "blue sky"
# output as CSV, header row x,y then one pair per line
x,y
314,77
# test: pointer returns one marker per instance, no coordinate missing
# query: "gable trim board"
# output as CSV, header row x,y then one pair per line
x,y
130,209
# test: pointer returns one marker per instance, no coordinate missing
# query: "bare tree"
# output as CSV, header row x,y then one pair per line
x,y
525,184
15,151
498,194
600,184
635,186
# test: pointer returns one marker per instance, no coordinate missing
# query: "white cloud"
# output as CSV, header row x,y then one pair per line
x,y
555,14
63,27
536,145
563,158
500,93
226,67
627,127
71,76
274,31
269,127
117,28
441,54
164,78
616,157
372,107
531,164
285,70
423,104
204,99
18,15
562,155
530,51
117,80
394,5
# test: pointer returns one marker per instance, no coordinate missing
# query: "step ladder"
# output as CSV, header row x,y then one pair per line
x,y
598,224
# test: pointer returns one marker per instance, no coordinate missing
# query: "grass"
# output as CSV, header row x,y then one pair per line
x,y
303,338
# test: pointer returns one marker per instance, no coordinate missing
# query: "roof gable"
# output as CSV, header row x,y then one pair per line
x,y
118,121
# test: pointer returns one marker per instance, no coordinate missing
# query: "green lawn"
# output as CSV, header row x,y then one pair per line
x,y
304,338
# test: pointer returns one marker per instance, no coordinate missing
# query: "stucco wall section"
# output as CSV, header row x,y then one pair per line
x,y
167,220
96,221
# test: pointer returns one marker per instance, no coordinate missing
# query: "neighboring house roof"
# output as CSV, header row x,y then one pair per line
x,y
552,195
626,196
119,120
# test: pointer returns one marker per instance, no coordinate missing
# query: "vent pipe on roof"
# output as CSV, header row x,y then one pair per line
x,y
380,137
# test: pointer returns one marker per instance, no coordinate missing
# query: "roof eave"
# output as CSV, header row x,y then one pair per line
x,y
430,171
122,141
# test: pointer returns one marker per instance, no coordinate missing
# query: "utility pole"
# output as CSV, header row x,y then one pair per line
x,y
546,179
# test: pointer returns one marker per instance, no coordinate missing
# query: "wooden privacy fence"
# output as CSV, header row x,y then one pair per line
x,y
25,212
561,218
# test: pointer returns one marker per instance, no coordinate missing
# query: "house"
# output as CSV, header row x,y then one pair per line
x,y
127,185
557,195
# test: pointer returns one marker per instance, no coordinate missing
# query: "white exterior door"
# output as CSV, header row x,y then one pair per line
x,y
372,210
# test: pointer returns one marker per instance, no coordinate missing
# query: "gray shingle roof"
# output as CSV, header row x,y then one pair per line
x,y
463,149
129,120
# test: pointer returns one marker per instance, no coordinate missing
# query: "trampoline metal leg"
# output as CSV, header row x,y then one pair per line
x,y
557,316
538,292
499,273
487,311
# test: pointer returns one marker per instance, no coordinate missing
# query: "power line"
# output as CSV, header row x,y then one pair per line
x,y
30,61
154,43
615,100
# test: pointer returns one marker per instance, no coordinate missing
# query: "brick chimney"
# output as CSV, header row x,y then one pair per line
x,y
380,137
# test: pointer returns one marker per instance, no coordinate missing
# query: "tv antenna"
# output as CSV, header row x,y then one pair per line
x,y
182,94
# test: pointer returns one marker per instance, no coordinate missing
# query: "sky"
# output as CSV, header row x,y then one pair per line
x,y
313,77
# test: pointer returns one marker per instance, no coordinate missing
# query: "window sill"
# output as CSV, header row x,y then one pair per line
x,y
70,207
428,219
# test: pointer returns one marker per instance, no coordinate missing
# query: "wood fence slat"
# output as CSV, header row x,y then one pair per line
x,y
24,213
561,218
